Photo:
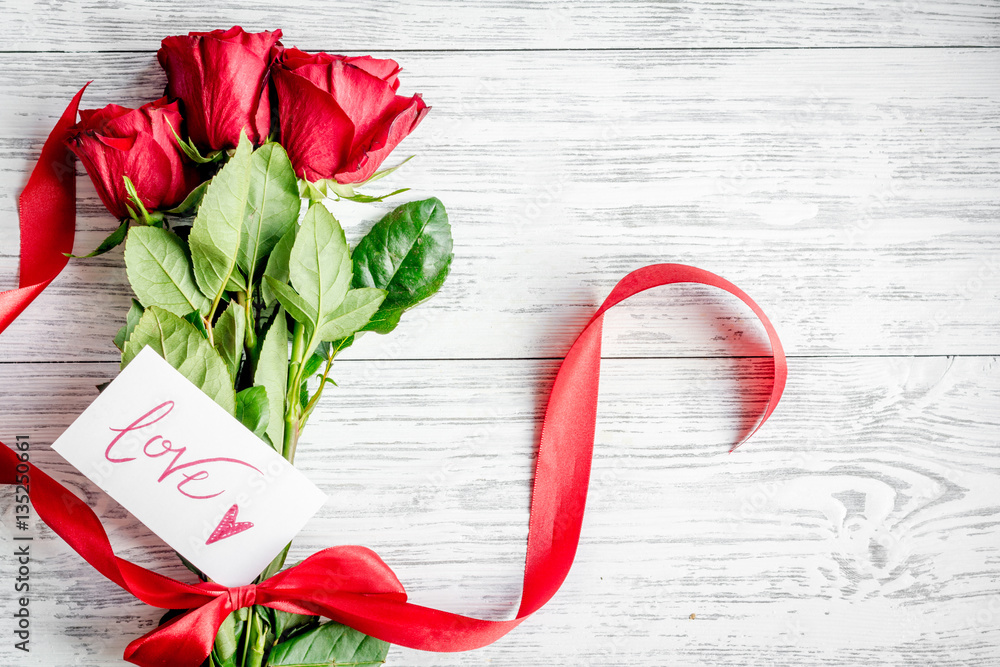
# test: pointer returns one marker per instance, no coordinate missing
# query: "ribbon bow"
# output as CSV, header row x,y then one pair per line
x,y
348,584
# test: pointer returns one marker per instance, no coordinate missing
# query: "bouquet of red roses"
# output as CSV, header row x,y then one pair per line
x,y
233,255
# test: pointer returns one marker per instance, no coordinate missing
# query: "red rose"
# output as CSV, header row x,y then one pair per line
x,y
340,117
115,141
221,77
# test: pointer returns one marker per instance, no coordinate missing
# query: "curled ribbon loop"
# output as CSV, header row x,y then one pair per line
x,y
47,208
351,584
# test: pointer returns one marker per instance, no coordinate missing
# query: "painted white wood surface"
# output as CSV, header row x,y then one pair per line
x,y
853,192
501,24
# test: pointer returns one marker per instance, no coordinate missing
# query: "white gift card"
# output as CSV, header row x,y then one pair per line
x,y
191,472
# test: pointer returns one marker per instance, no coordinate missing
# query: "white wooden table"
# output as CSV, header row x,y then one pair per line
x,y
839,161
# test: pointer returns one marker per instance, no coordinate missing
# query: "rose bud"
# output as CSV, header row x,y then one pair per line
x,y
221,79
115,141
340,117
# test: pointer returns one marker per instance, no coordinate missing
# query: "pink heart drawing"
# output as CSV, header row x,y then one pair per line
x,y
229,526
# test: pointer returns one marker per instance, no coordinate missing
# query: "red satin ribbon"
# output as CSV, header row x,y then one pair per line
x,y
351,584
47,209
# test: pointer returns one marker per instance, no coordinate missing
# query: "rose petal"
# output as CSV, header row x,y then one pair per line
x,y
221,77
367,156
97,118
149,169
387,70
316,133
102,165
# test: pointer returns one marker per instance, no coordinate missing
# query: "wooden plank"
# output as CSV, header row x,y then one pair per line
x,y
854,196
436,24
860,526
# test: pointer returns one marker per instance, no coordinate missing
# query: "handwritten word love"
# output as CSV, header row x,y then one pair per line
x,y
157,446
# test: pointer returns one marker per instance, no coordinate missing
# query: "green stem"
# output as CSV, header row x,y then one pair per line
x,y
319,391
258,639
247,631
211,315
292,406
208,319
300,415
245,299
250,353
215,305
291,439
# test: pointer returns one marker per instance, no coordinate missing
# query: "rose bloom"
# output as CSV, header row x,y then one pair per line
x,y
116,141
221,79
340,117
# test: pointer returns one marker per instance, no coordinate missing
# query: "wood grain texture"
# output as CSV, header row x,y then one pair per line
x,y
853,193
858,527
501,24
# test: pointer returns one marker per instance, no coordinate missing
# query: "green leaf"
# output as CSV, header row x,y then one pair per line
x,y
330,644
131,319
195,318
385,172
272,374
317,191
304,394
191,202
385,320
338,346
114,240
277,264
184,348
323,352
314,191
353,313
292,302
331,187
228,334
253,409
158,268
215,235
369,199
192,151
283,623
236,282
227,640
133,196
313,363
407,253
275,566
320,263
273,205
